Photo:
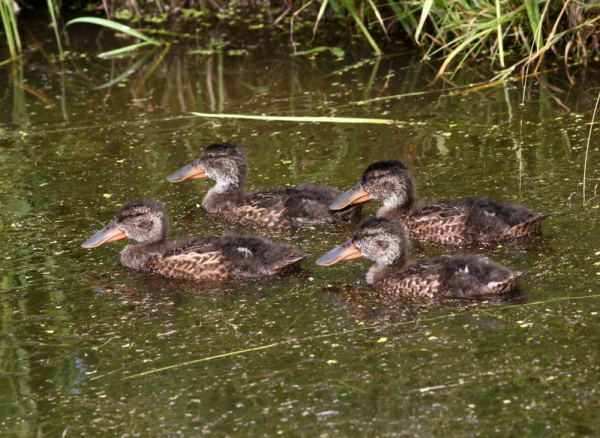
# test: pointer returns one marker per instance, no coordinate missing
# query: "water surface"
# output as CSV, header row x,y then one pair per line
x,y
315,353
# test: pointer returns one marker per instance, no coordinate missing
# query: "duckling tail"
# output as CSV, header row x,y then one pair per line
x,y
506,284
530,226
290,261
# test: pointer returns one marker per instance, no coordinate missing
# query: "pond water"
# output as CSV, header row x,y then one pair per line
x,y
88,348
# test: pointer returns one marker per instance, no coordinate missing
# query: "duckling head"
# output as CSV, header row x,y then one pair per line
x,y
377,239
387,181
224,163
142,220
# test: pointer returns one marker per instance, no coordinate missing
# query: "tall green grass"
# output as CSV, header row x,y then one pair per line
x,y
9,24
54,11
455,31
147,41
461,30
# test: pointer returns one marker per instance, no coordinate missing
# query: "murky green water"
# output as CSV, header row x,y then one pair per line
x,y
309,354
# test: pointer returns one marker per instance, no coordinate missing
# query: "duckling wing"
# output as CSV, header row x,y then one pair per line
x,y
284,207
252,256
266,199
444,222
497,220
472,275
529,226
302,205
420,280
290,260
194,260
262,208
308,205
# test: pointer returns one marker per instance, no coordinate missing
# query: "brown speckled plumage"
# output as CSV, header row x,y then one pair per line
x,y
385,242
195,258
285,207
474,276
455,222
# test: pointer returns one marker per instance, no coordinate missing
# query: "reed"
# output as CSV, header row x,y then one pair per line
x,y
587,147
9,23
54,10
460,30
147,41
454,31
301,119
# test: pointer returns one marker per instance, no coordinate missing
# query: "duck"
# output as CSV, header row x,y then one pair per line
x,y
454,222
304,205
196,258
457,276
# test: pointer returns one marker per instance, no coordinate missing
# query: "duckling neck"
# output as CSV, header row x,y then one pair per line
x,y
380,270
392,208
222,195
135,255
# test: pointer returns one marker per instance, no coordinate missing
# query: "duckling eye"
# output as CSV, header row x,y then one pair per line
x,y
132,215
374,176
211,156
368,234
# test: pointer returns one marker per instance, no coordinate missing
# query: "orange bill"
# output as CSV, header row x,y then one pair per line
x,y
110,233
355,195
191,171
346,251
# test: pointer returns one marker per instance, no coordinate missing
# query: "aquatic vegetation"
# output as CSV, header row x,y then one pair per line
x,y
119,28
9,23
456,32
587,148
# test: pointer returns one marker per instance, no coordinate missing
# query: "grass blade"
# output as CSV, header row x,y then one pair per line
x,y
128,73
467,41
55,25
378,15
9,22
537,39
319,16
533,13
115,26
8,30
587,148
15,30
300,119
311,51
500,39
123,50
350,7
426,8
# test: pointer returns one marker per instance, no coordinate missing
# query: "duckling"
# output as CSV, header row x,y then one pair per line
x,y
284,207
456,221
195,258
384,242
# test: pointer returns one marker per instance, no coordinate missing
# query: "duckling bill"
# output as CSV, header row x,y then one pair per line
x,y
283,207
385,242
195,258
456,221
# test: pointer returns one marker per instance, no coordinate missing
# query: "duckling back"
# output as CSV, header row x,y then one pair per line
x,y
472,275
451,276
221,257
460,221
286,207
496,220
308,204
251,256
